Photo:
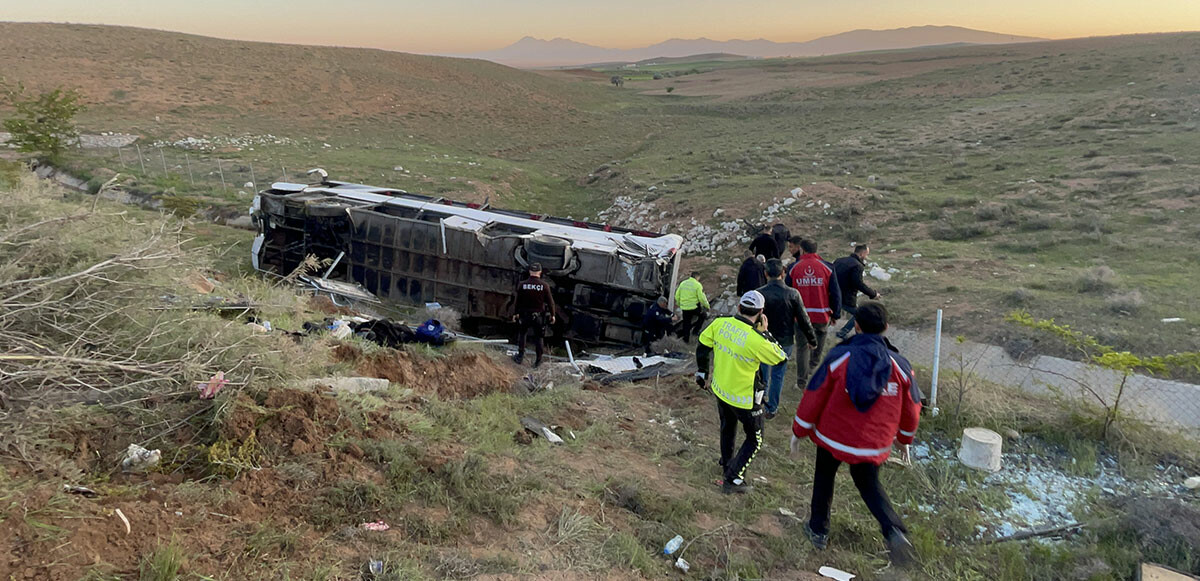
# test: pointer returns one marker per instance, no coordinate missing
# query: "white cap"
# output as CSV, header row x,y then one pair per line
x,y
753,300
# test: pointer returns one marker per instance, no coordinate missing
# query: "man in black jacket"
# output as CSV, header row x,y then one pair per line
x,y
751,275
535,311
849,271
764,245
785,316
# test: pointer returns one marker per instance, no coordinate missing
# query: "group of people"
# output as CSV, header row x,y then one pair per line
x,y
857,401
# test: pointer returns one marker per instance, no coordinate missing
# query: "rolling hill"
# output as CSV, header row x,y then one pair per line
x,y
533,52
192,82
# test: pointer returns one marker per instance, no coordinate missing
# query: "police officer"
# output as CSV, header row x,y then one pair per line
x,y
736,347
535,311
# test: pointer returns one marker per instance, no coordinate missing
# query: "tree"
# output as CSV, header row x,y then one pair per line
x,y
1123,363
670,89
617,81
43,125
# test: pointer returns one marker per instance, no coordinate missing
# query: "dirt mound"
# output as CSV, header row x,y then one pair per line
x,y
295,422
456,375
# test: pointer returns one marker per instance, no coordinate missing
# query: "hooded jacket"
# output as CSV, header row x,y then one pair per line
x,y
861,399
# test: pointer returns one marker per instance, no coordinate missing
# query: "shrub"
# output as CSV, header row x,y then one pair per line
x,y
955,229
1097,279
1125,303
1020,296
43,125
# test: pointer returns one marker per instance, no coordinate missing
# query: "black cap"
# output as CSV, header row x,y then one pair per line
x,y
535,267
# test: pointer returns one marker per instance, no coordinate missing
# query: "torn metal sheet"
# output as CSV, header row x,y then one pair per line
x,y
345,289
623,364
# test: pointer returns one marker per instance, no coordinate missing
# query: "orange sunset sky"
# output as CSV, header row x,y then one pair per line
x,y
463,26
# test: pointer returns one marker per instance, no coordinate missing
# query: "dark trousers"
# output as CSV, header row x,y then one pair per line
x,y
751,422
531,325
866,478
692,324
849,326
807,359
651,334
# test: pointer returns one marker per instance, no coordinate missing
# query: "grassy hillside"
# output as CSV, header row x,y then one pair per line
x,y
1018,174
106,333
1052,176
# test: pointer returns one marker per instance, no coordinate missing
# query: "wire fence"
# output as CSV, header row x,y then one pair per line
x,y
168,166
1163,402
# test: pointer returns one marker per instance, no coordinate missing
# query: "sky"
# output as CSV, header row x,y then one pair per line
x,y
465,26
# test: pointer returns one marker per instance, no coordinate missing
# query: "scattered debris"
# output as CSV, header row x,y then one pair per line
x,y
1192,483
139,459
348,384
81,490
378,526
200,283
1041,532
838,574
981,449
209,389
124,520
538,428
673,545
682,565
879,273
1173,320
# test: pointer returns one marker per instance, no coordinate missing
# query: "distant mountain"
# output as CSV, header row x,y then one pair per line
x,y
534,52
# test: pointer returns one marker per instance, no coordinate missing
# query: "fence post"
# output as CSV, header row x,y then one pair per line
x,y
141,162
253,180
164,162
937,363
284,172
188,160
121,156
222,172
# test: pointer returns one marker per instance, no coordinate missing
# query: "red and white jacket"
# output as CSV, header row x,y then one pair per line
x,y
818,287
860,400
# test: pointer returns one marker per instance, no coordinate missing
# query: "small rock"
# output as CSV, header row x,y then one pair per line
x,y
1012,434
917,255
1192,483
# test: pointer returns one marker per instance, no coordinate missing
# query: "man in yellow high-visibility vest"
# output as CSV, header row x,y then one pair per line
x,y
736,347
690,299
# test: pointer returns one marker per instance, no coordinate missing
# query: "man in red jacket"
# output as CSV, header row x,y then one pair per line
x,y
861,399
818,286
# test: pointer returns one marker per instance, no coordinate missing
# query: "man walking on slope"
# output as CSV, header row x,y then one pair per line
x,y
862,398
849,271
736,347
752,274
818,287
535,311
690,299
785,314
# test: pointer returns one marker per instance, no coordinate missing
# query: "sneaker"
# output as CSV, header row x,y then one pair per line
x,y
518,359
537,364
818,541
771,415
901,551
731,488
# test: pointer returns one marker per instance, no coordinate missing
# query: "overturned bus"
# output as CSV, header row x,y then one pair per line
x,y
415,249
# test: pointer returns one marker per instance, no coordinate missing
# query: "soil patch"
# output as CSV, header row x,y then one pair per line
x,y
458,375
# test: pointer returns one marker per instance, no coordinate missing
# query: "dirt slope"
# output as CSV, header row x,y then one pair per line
x,y
140,74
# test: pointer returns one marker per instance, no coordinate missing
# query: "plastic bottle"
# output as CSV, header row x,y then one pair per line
x,y
673,545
